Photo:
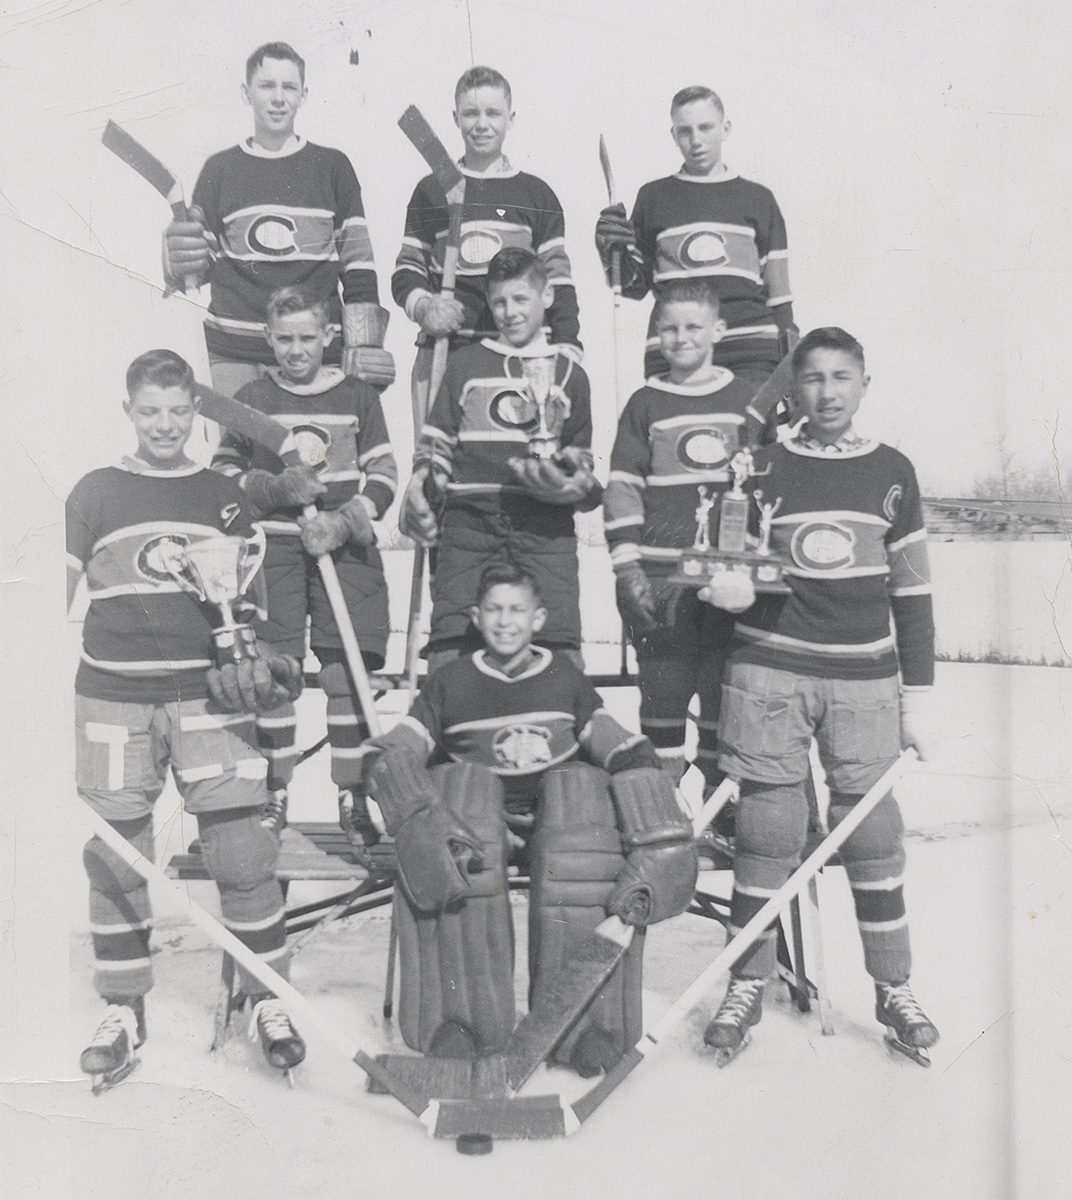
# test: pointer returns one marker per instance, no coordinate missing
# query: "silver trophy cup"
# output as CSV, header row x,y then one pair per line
x,y
551,406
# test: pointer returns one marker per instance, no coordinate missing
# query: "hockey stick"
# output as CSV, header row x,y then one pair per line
x,y
616,319
736,948
446,173
548,1021
266,431
153,171
257,967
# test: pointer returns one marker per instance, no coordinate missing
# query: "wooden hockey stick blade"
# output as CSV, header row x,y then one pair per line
x,y
608,174
569,993
445,170
777,387
248,423
299,1006
745,939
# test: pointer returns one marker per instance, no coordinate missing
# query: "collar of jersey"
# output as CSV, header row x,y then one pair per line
x,y
723,379
296,143
538,348
849,445
495,171
326,379
725,177
136,466
542,661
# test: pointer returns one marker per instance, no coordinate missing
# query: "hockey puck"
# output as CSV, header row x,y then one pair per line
x,y
473,1143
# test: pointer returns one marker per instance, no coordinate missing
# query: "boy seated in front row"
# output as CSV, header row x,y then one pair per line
x,y
349,471
822,662
527,756
669,465
147,698
505,454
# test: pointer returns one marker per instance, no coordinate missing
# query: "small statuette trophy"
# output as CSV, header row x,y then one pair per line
x,y
551,408
218,570
700,563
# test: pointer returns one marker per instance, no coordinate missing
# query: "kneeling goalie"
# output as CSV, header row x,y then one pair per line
x,y
510,748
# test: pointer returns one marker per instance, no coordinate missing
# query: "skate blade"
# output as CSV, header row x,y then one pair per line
x,y
724,1055
916,1053
288,1075
104,1081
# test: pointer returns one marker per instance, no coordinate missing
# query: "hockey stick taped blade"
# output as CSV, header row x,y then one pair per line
x,y
523,1118
444,169
148,166
247,422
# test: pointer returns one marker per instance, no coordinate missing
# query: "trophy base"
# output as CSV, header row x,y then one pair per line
x,y
696,568
233,643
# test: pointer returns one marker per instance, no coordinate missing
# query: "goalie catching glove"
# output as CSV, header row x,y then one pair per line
x,y
364,327
436,851
325,532
256,684
292,488
566,479
659,876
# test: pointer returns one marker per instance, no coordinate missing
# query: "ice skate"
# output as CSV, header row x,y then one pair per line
x,y
110,1056
741,1008
274,813
357,824
716,843
909,1032
282,1044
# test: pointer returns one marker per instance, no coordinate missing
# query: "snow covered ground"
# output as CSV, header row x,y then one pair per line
x,y
798,1115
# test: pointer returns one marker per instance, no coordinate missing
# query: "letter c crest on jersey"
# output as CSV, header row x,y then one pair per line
x,y
702,449
823,546
522,747
891,506
272,235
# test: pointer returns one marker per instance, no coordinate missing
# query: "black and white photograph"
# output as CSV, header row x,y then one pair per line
x,y
537,614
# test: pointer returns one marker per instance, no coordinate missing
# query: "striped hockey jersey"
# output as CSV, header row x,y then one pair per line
x,y
282,220
145,639
506,209
850,527
674,442
517,725
339,427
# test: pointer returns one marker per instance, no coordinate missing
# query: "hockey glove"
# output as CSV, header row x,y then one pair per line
x,y
256,685
733,591
439,316
293,488
364,326
614,230
636,600
917,716
436,851
659,876
566,479
329,531
189,249
417,518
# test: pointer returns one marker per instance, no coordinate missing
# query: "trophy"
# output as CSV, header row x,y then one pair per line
x,y
218,570
551,407
699,564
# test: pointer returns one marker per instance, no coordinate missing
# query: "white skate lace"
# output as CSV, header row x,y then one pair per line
x,y
117,1019
274,813
271,1022
738,1001
898,1000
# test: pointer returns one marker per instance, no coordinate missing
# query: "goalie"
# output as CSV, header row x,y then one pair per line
x,y
509,750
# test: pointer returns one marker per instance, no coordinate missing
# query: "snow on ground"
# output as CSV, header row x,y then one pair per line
x,y
798,1115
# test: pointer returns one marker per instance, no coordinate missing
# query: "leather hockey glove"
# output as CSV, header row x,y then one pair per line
x,y
325,532
256,685
566,479
733,591
614,231
436,851
292,488
417,518
439,316
917,717
659,876
189,249
364,327
636,599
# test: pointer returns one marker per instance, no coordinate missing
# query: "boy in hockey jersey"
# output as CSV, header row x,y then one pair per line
x,y
147,698
822,662
278,211
503,207
350,472
708,222
675,439
528,756
479,454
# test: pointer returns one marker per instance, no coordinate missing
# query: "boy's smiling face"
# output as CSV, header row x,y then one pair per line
x,y
687,329
508,617
518,306
275,93
484,118
298,341
828,390
163,418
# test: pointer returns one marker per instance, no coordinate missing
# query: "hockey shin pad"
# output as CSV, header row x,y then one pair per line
x,y
120,913
456,967
576,855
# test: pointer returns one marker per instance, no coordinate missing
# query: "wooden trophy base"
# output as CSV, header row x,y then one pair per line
x,y
696,568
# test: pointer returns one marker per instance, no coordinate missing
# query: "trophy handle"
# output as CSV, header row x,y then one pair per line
x,y
175,565
252,557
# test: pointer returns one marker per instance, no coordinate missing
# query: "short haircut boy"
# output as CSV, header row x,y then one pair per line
x,y
159,368
280,51
289,300
478,77
689,95
515,263
507,574
827,337
685,291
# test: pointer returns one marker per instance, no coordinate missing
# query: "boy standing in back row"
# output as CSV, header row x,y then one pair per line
x,y
706,221
278,211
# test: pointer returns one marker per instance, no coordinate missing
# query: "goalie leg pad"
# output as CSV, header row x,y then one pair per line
x,y
575,858
457,966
